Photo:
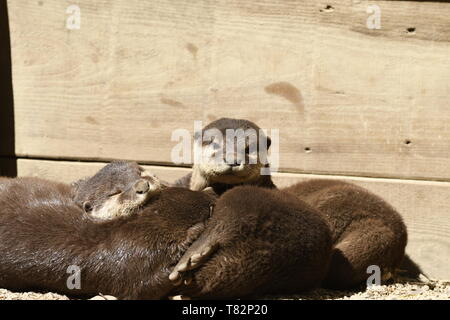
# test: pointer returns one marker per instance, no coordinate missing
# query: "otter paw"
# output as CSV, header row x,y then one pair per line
x,y
103,297
194,260
190,261
179,297
178,278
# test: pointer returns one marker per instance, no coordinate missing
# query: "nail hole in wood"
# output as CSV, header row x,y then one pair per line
x,y
327,8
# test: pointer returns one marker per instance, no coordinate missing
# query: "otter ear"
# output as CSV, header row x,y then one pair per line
x,y
87,206
77,185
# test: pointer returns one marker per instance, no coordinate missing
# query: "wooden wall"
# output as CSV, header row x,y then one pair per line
x,y
369,106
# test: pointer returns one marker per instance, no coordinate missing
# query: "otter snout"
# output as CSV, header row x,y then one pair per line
x,y
142,186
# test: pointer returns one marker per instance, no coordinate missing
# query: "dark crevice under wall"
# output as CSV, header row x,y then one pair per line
x,y
8,163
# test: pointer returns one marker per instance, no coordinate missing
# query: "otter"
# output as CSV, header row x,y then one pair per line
x,y
366,230
43,232
220,168
258,241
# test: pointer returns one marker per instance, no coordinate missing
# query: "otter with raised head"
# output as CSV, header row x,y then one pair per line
x,y
366,230
44,232
229,158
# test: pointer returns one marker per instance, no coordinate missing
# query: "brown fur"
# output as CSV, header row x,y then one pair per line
x,y
43,231
263,242
366,230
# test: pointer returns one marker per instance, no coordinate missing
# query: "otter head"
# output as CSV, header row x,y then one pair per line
x,y
119,189
232,152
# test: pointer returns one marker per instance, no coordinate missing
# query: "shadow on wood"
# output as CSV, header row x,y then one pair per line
x,y
8,165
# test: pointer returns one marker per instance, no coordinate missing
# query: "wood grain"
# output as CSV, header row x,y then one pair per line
x,y
345,99
423,205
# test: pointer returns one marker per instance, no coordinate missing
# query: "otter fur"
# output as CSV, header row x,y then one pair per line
x,y
43,232
366,230
258,241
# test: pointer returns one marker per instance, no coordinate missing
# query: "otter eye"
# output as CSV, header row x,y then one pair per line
x,y
115,193
87,207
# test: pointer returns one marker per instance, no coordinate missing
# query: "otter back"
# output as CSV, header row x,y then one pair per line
x,y
43,232
266,241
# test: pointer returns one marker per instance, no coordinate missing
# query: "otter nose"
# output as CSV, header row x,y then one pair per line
x,y
142,186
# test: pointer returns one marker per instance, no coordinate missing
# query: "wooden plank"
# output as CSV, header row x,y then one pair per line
x,y
66,171
423,204
380,108
345,99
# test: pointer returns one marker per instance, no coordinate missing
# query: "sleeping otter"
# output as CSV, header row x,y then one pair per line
x,y
43,232
258,241
366,230
118,189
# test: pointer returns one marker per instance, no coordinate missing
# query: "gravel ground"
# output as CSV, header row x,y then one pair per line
x,y
8,295
432,290
404,290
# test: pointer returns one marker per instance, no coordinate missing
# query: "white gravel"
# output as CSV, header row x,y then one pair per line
x,y
405,290
8,295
